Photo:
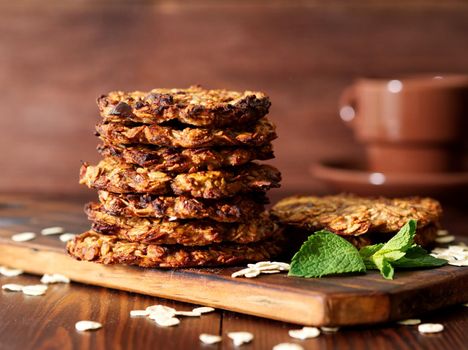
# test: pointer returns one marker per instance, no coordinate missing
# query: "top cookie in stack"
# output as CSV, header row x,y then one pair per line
x,y
178,186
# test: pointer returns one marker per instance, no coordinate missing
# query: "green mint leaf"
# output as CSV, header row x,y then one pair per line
x,y
386,269
325,253
394,249
369,250
366,252
401,242
382,256
415,257
418,257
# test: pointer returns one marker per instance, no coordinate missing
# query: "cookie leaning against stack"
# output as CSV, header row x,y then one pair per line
x,y
361,220
178,185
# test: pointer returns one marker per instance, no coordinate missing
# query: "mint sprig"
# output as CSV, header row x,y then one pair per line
x,y
392,251
325,253
415,257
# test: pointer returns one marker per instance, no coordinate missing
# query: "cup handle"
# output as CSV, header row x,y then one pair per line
x,y
348,105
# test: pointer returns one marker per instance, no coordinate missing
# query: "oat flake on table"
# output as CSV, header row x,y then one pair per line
x,y
410,322
65,237
23,236
287,346
203,309
167,322
239,338
329,329
139,313
87,325
304,333
55,230
7,272
35,289
54,278
210,338
12,287
430,328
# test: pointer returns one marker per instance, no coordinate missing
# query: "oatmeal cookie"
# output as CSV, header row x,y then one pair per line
x,y
256,135
108,249
240,208
194,106
186,160
115,176
185,232
350,215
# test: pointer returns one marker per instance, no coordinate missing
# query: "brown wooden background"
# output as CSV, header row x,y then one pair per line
x,y
57,57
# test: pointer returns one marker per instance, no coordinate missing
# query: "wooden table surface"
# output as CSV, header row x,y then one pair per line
x,y
47,322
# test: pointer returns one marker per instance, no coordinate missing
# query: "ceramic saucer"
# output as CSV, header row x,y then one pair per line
x,y
351,177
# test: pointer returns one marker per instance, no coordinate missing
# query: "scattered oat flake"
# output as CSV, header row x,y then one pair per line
x,y
329,329
252,274
304,333
203,309
454,262
456,255
172,218
55,230
54,278
268,265
65,237
430,328
282,265
442,232
87,325
12,287
442,256
23,237
410,322
137,313
159,311
35,289
7,272
260,264
239,338
445,239
288,346
267,268
458,249
187,313
242,272
210,338
167,322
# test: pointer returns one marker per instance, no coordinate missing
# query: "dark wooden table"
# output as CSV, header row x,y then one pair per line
x,y
47,322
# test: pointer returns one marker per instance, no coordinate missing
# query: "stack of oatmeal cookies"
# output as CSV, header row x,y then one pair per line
x,y
178,185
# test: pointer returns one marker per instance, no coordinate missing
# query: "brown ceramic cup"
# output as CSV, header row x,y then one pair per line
x,y
409,125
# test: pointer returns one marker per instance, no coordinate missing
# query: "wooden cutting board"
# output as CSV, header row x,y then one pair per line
x,y
360,299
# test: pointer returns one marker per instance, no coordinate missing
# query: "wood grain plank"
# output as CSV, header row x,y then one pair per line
x,y
390,336
48,321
